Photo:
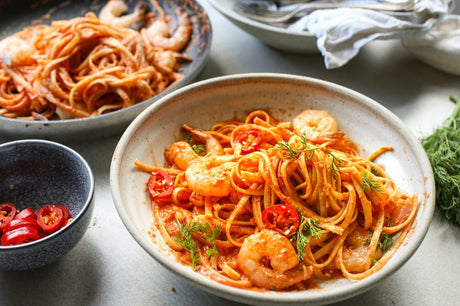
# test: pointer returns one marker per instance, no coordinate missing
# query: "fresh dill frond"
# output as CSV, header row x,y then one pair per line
x,y
443,151
370,184
210,236
309,228
198,148
187,242
385,242
334,167
292,152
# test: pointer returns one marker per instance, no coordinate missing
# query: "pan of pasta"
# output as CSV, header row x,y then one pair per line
x,y
273,188
87,68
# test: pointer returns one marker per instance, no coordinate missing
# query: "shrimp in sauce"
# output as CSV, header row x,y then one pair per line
x,y
112,13
270,261
158,32
313,123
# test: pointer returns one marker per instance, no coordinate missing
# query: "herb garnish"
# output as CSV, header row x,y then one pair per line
x,y
385,241
306,147
293,153
198,148
188,243
443,151
370,184
309,227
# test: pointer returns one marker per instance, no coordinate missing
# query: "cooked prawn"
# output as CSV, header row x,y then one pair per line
x,y
182,154
314,123
158,33
269,260
17,51
357,255
210,175
112,13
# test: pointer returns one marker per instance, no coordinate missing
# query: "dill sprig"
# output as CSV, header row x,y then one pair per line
x,y
292,152
334,167
443,151
385,241
198,148
370,184
309,227
187,242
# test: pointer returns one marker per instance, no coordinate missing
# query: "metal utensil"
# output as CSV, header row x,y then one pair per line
x,y
264,14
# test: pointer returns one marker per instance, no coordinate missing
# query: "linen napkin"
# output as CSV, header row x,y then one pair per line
x,y
342,32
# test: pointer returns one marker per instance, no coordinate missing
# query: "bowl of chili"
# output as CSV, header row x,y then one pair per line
x,y
46,202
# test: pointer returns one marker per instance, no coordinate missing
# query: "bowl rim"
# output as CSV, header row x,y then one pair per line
x,y
89,197
235,16
242,295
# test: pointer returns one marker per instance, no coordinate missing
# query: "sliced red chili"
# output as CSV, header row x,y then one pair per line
x,y
282,218
65,211
160,186
7,213
249,140
27,213
50,218
18,222
20,235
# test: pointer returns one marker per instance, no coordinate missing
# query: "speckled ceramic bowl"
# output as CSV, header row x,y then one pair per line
x,y
38,172
202,104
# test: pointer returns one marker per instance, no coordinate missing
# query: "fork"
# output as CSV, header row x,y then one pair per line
x,y
263,14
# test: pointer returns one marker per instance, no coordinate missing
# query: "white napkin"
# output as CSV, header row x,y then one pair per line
x,y
438,47
342,32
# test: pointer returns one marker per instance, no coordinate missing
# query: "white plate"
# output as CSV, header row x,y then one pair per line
x,y
201,104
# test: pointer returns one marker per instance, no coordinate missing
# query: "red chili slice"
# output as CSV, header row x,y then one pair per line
x,y
20,235
18,222
282,218
27,213
50,218
65,210
249,140
160,186
7,213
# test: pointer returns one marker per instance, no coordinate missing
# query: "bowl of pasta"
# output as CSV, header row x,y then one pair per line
x,y
79,69
273,189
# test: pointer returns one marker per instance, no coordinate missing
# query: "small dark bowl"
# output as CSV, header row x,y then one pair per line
x,y
38,172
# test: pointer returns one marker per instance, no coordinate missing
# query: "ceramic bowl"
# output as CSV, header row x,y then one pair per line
x,y
276,37
203,103
13,17
38,172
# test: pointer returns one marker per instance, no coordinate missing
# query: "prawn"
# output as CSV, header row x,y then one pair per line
x,y
314,123
210,175
270,261
17,51
157,33
182,154
112,13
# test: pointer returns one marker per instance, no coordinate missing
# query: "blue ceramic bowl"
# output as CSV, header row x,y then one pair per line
x,y
38,172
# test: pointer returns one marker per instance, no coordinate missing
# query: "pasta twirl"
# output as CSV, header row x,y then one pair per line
x,y
80,67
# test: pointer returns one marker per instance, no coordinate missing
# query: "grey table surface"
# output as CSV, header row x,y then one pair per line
x,y
108,267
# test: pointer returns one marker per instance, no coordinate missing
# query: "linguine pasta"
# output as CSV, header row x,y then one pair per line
x,y
79,68
277,205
